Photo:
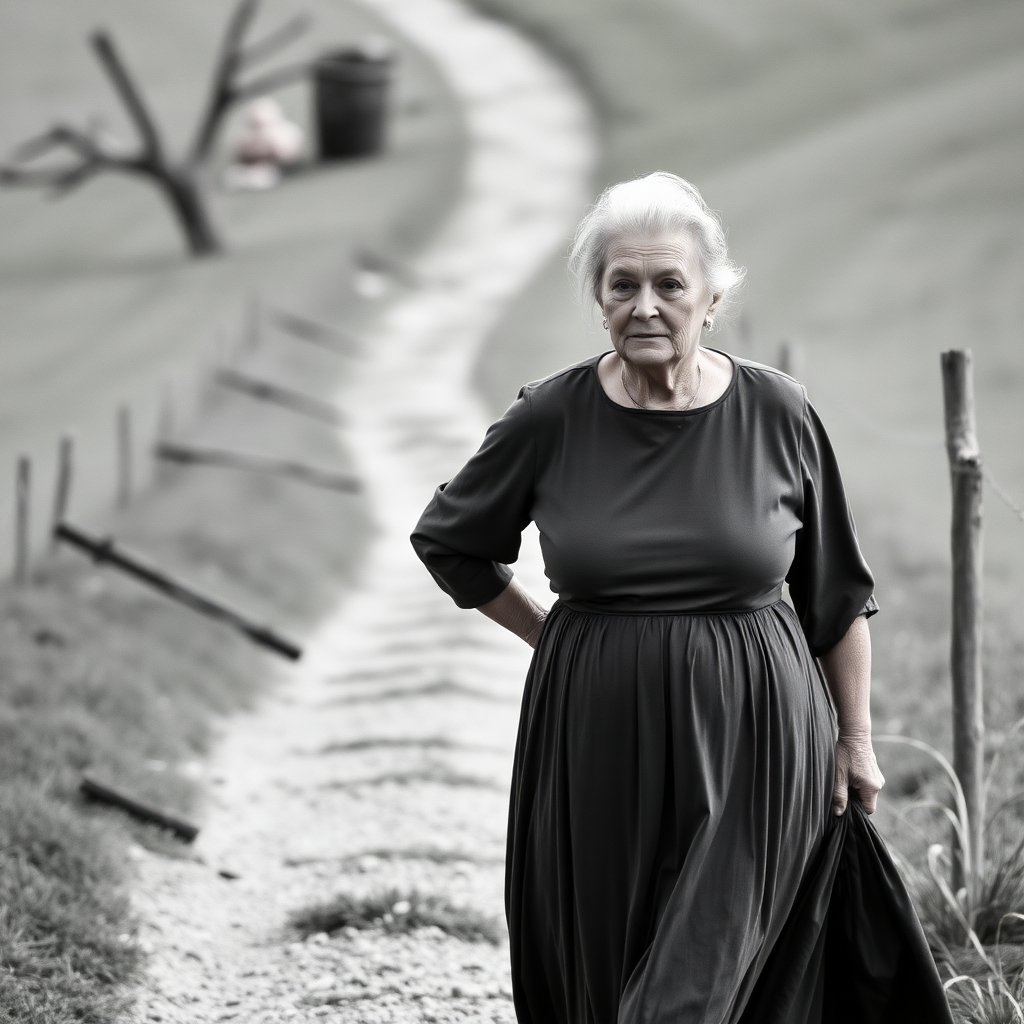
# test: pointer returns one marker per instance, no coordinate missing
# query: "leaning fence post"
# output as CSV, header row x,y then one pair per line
x,y
965,651
62,491
21,519
124,455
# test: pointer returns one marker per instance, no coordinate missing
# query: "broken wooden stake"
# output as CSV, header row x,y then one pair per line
x,y
252,334
103,551
315,333
104,794
790,359
23,484
257,464
166,420
124,455
266,391
62,490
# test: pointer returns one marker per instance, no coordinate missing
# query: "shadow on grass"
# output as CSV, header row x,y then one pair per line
x,y
432,854
397,911
440,689
439,774
406,743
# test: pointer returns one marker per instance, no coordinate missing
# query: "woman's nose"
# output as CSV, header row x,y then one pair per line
x,y
645,306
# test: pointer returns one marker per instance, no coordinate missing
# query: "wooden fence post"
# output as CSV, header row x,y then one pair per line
x,y
23,484
965,653
124,455
62,491
165,423
253,314
790,359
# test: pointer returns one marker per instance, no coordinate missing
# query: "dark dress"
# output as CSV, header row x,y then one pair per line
x,y
672,854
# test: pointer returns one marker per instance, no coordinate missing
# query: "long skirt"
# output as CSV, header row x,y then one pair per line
x,y
672,851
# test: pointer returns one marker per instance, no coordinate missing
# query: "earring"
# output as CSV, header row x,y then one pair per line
x,y
708,324
604,322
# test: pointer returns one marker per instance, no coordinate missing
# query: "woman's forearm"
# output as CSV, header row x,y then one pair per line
x,y
517,611
847,669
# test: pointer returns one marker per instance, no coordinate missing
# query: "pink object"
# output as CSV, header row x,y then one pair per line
x,y
267,136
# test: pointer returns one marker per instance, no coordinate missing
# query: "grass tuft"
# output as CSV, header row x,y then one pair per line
x,y
991,912
66,944
996,999
397,911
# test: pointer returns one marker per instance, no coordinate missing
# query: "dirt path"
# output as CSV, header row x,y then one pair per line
x,y
383,759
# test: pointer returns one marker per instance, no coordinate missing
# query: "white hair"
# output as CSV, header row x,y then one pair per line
x,y
651,205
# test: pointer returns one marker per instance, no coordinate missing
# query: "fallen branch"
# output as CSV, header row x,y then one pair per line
x,y
266,391
103,551
256,464
104,794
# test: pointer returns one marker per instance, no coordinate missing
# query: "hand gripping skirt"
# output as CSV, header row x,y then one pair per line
x,y
672,853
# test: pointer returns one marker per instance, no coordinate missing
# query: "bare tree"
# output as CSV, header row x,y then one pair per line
x,y
184,183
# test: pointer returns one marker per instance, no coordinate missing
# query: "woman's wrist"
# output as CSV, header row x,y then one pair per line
x,y
855,732
533,635
519,613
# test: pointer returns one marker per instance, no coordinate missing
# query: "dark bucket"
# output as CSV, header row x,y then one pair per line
x,y
351,89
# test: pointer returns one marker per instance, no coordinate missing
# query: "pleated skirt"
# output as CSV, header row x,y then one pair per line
x,y
672,852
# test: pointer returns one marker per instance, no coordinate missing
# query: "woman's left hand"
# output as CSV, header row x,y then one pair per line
x,y
856,768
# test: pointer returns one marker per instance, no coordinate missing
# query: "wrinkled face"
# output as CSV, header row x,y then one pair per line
x,y
654,297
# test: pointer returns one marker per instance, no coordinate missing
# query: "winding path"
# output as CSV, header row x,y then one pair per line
x,y
383,759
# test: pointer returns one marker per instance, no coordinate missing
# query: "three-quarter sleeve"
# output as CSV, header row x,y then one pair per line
x,y
473,526
829,581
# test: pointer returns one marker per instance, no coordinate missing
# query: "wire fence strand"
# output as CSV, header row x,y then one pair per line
x,y
924,439
1003,495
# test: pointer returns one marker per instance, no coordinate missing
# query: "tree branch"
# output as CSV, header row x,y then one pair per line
x,y
92,159
126,89
273,41
222,92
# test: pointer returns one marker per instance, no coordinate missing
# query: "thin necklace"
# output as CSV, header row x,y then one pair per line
x,y
689,404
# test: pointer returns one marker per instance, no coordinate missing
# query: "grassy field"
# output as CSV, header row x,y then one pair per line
x,y
97,675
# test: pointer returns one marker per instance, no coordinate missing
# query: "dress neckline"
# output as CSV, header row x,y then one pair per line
x,y
730,387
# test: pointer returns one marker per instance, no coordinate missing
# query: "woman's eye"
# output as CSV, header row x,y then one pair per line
x,y
671,284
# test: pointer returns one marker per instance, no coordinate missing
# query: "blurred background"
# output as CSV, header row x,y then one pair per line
x,y
100,303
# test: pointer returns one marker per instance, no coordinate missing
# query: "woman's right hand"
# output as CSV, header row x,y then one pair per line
x,y
534,635
517,611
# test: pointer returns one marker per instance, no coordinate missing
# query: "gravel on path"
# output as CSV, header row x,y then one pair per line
x,y
382,761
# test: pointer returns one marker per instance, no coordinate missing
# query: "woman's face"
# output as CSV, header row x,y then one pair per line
x,y
654,297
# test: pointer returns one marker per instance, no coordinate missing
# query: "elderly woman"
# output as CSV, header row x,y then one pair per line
x,y
680,845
